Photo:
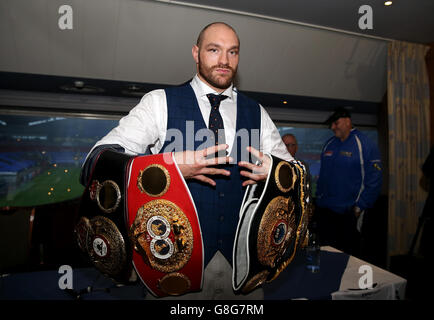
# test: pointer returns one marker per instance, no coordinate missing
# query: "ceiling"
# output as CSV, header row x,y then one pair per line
x,y
406,20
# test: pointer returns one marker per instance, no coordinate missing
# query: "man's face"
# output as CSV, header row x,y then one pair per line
x,y
217,57
291,144
341,128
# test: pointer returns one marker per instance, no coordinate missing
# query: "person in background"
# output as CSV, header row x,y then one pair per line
x,y
291,143
349,183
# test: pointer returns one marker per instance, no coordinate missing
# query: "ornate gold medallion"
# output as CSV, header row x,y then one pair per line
x,y
106,246
162,234
277,228
154,180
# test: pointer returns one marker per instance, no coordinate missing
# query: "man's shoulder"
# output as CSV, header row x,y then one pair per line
x,y
364,139
161,93
358,133
244,96
184,89
330,141
250,105
369,146
153,95
154,92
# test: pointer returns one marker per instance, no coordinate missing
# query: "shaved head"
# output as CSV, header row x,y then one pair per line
x,y
202,32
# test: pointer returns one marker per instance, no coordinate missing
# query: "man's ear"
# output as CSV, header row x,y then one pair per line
x,y
195,53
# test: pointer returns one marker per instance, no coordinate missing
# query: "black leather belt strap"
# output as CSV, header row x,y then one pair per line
x,y
273,223
101,230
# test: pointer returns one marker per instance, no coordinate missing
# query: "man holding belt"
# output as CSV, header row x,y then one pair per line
x,y
209,101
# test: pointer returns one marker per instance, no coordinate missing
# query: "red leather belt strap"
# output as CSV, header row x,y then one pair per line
x,y
164,227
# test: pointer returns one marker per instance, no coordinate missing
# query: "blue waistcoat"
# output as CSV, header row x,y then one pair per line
x,y
218,207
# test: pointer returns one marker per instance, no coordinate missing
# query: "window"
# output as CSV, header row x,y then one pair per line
x,y
41,156
311,139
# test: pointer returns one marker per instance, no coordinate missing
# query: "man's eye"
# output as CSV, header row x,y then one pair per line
x,y
213,50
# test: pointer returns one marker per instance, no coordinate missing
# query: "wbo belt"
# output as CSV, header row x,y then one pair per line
x,y
274,216
137,212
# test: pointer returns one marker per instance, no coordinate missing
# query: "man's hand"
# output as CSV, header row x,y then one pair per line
x,y
259,172
194,164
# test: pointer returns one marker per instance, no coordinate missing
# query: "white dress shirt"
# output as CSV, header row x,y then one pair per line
x,y
146,123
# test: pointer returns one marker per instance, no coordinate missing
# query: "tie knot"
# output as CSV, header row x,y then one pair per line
x,y
215,99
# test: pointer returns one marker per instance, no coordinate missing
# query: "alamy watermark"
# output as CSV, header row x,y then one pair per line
x,y
366,280
65,21
366,21
66,280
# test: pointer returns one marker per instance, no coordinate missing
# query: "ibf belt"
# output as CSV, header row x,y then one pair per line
x,y
163,227
273,223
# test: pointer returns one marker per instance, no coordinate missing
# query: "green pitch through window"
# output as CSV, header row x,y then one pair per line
x,y
41,157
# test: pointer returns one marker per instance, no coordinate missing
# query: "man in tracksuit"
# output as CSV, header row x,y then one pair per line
x,y
349,183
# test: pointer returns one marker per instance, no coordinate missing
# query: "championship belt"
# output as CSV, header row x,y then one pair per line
x,y
138,212
164,227
273,223
100,231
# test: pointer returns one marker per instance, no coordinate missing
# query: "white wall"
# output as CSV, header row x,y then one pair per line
x,y
146,41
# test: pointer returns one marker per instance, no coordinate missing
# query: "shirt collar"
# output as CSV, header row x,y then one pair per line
x,y
203,89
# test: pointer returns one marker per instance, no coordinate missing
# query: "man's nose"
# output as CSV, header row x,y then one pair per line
x,y
223,59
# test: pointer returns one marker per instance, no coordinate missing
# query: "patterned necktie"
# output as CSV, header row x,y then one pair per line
x,y
215,119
